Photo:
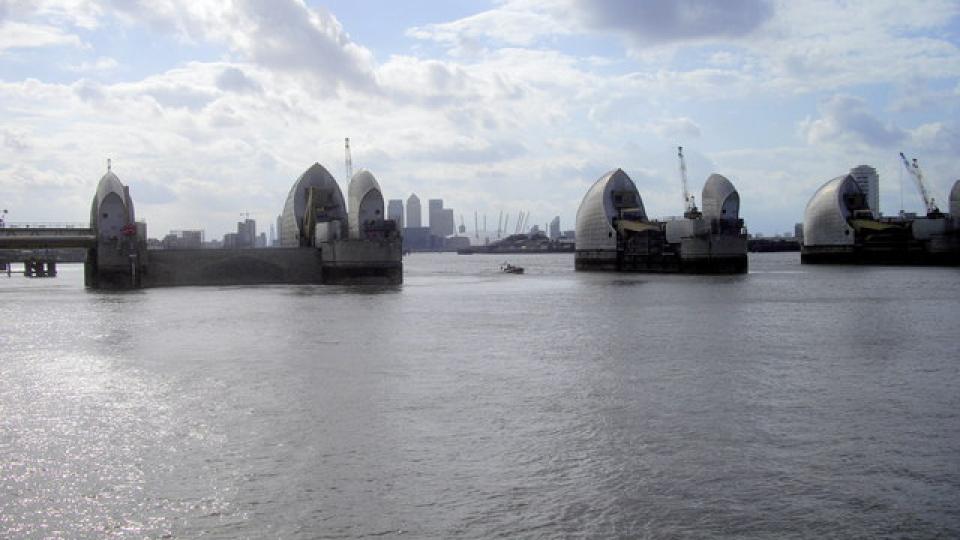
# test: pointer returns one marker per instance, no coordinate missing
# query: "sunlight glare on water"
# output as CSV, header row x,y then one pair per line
x,y
794,401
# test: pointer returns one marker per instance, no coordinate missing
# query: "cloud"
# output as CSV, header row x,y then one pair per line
x,y
15,141
662,21
18,35
847,119
940,137
150,192
180,95
281,35
102,63
675,128
516,23
60,13
232,79
471,151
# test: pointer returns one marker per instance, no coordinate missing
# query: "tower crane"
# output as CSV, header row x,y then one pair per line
x,y
348,160
914,170
689,205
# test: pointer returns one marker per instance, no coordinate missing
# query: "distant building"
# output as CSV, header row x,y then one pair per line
x,y
446,225
416,239
183,240
245,237
261,240
434,208
555,228
456,242
869,182
798,231
279,241
395,212
413,212
246,233
441,219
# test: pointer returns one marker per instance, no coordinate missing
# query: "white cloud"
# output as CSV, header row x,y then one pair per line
x,y
664,21
515,23
18,35
233,79
103,63
846,119
521,116
677,129
282,35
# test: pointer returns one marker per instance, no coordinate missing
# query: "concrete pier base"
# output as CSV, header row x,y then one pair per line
x,y
39,268
362,261
333,262
181,267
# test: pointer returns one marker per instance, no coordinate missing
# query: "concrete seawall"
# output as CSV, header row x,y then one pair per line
x,y
178,267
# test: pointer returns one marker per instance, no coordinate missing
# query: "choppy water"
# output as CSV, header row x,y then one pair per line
x,y
794,401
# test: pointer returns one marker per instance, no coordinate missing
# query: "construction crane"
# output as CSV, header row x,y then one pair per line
x,y
689,205
914,170
349,160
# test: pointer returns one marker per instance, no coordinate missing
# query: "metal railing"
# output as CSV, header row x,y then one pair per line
x,y
44,225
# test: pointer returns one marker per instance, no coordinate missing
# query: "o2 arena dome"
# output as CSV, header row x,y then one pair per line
x,y
365,202
720,199
825,218
327,202
112,208
613,195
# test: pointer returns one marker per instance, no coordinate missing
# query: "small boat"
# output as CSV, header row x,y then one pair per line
x,y
508,268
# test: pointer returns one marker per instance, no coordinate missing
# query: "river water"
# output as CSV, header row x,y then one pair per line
x,y
794,401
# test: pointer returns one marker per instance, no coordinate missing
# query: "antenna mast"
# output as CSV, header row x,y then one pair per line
x,y
349,160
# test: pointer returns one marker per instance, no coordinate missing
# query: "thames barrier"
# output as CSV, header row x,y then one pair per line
x,y
326,240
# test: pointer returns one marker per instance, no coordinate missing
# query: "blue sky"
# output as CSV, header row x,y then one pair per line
x,y
212,108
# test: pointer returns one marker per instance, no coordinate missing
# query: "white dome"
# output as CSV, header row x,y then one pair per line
x,y
720,198
825,218
112,196
594,229
295,207
364,200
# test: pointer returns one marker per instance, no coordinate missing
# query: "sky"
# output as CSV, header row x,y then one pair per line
x,y
210,109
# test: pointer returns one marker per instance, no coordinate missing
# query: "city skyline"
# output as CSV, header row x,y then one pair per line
x,y
494,106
